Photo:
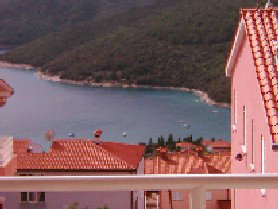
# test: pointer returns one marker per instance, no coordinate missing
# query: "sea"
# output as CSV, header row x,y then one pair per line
x,y
38,105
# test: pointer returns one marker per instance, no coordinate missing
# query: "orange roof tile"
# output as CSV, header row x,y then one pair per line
x,y
185,144
217,144
179,163
80,155
220,163
5,92
261,28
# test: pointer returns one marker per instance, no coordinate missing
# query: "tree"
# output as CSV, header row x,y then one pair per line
x,y
198,141
114,76
150,142
161,141
171,142
188,139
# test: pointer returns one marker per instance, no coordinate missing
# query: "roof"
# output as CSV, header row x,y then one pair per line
x,y
260,26
5,92
79,155
180,163
218,163
217,144
185,144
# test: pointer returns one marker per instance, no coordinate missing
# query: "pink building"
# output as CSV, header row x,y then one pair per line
x,y
71,157
252,66
185,163
219,146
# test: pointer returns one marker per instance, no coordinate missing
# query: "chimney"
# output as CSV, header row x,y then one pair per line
x,y
97,136
268,4
30,149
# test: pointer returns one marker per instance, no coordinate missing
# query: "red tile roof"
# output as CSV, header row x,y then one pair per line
x,y
261,28
179,163
5,92
217,144
185,144
80,155
222,163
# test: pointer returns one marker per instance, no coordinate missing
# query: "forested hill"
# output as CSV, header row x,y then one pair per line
x,y
25,20
181,43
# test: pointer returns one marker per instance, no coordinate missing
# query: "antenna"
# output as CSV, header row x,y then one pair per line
x,y
50,135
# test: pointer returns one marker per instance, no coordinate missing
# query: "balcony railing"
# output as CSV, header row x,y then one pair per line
x,y
197,183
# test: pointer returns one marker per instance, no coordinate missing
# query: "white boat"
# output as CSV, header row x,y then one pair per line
x,y
71,134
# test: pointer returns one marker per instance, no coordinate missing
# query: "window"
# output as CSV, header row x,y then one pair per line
x,y
41,196
32,197
244,125
235,107
208,196
177,196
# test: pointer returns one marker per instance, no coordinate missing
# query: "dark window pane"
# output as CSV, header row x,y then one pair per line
x,y
32,196
23,197
41,196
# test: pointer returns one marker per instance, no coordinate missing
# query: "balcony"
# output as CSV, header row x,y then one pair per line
x,y
197,183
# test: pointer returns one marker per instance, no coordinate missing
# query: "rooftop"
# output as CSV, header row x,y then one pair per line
x,y
180,163
79,155
260,26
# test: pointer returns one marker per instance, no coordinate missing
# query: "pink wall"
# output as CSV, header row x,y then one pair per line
x,y
92,200
184,204
60,200
245,83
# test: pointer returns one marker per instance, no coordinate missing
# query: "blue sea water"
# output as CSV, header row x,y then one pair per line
x,y
40,105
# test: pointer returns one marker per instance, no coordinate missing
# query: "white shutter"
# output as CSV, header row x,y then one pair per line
x,y
263,154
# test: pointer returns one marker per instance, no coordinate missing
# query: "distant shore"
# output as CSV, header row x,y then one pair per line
x,y
203,95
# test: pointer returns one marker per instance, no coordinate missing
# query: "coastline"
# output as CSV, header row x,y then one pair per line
x,y
203,95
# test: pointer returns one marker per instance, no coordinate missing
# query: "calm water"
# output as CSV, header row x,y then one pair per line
x,y
39,105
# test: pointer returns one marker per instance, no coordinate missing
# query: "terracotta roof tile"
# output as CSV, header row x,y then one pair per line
x,y
261,26
217,144
187,164
83,154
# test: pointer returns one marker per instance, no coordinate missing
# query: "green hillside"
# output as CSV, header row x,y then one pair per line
x,y
183,43
22,21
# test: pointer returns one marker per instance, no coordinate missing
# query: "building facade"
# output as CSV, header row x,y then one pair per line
x,y
252,67
187,163
82,157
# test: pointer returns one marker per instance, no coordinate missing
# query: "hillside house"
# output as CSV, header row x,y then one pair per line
x,y
252,67
82,157
185,163
219,146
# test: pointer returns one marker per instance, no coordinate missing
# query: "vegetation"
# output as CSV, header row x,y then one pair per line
x,y
25,20
75,205
170,143
180,43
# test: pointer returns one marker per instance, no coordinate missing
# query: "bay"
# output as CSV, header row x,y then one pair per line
x,y
40,105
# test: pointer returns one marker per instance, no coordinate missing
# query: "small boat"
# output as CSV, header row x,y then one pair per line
x,y
214,111
124,134
71,134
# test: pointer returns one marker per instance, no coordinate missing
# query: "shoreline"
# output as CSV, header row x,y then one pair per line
x,y
202,95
